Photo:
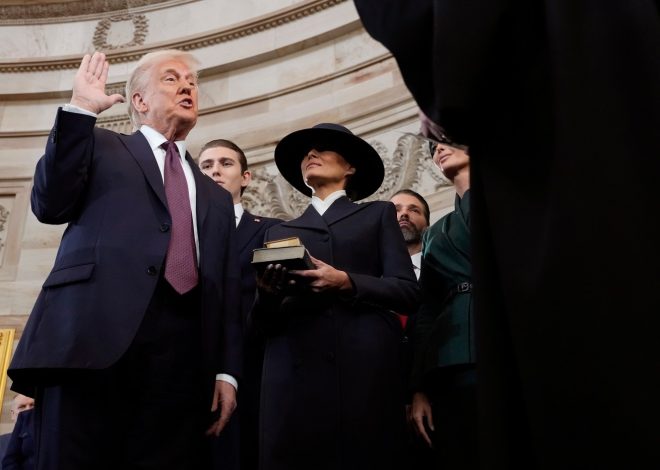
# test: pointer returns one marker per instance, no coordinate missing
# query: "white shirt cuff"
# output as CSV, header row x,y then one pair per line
x,y
71,108
227,378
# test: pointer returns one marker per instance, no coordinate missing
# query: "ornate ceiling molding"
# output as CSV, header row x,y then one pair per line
x,y
79,10
121,123
231,33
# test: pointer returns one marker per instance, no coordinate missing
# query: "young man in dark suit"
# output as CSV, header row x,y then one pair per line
x,y
225,162
136,335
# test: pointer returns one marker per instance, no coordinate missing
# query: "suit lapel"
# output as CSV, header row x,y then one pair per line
x,y
139,148
247,228
310,219
202,194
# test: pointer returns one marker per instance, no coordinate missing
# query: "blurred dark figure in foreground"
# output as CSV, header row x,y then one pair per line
x,y
559,102
18,452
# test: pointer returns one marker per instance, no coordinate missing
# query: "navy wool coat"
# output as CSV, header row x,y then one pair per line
x,y
331,387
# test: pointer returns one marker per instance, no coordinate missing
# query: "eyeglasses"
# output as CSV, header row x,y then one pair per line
x,y
433,144
432,147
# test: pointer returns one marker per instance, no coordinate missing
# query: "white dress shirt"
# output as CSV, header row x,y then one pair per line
x,y
238,212
417,263
322,205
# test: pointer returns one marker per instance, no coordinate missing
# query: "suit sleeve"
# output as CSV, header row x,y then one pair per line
x,y
260,318
397,288
429,309
61,175
232,341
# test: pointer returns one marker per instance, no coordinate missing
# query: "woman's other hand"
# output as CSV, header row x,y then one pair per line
x,y
325,277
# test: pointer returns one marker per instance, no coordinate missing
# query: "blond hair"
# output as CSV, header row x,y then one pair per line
x,y
139,78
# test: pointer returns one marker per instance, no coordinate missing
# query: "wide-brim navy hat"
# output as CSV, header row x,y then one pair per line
x,y
369,169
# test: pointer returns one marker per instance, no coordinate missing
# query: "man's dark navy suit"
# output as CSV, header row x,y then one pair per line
x,y
108,188
238,446
250,235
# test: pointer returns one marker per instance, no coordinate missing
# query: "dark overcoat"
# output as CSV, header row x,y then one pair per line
x,y
331,388
559,101
108,188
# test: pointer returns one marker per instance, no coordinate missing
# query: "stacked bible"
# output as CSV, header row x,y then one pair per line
x,y
289,252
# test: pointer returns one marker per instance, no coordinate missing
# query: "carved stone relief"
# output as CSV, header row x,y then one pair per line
x,y
4,219
103,29
119,124
14,202
407,165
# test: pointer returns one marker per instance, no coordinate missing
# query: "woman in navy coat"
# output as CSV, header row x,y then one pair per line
x,y
331,389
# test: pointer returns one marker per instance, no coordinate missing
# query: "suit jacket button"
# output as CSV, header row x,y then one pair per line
x,y
164,227
326,238
151,270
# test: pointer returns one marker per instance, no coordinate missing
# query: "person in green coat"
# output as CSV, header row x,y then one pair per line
x,y
443,377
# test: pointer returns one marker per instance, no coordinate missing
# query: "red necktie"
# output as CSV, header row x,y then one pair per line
x,y
181,261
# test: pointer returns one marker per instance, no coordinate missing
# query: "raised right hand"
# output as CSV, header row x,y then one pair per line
x,y
89,85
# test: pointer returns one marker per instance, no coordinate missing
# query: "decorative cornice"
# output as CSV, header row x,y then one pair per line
x,y
119,87
121,123
231,33
79,10
297,87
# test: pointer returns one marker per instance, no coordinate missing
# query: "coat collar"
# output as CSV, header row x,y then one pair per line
x,y
341,208
311,219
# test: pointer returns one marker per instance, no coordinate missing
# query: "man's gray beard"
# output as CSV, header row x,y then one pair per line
x,y
411,235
